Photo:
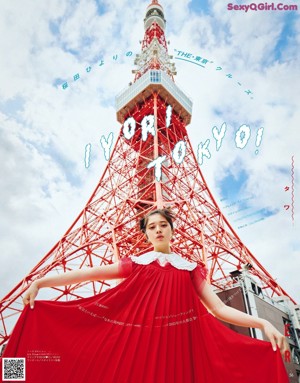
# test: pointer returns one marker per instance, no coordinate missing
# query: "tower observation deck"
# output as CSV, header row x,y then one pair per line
x,y
153,81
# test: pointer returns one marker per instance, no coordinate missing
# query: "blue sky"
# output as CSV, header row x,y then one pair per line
x,y
199,6
45,129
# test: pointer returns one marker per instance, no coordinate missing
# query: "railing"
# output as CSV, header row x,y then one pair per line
x,y
153,77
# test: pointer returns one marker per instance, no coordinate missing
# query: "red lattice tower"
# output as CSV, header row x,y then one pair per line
x,y
154,113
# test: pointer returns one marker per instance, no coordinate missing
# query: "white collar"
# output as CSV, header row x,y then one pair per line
x,y
174,259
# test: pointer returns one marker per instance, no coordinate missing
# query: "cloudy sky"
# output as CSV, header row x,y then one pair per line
x,y
250,76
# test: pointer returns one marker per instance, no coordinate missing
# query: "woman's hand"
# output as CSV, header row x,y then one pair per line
x,y
275,337
30,295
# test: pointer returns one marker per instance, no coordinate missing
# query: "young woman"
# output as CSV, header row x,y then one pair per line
x,y
151,328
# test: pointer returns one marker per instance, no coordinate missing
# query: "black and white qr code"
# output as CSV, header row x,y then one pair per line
x,y
13,369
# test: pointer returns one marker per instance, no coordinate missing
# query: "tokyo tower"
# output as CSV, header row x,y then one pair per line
x,y
151,166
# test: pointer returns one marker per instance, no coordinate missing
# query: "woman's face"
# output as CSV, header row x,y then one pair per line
x,y
158,230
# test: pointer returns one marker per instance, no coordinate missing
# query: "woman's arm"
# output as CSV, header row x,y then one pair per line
x,y
96,273
230,315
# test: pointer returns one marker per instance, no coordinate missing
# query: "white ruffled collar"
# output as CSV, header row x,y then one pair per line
x,y
174,259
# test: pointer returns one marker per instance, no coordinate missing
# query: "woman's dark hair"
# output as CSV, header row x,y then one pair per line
x,y
166,213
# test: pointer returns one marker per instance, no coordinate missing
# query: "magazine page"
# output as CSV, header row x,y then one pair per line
x,y
63,66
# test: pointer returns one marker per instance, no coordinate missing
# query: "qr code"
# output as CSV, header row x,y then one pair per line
x,y
13,369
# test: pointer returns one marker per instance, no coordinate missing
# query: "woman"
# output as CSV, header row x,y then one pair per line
x,y
151,328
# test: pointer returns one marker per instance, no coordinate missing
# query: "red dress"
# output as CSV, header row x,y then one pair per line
x,y
151,328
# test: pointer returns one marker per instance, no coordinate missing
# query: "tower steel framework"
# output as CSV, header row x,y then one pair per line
x,y
151,166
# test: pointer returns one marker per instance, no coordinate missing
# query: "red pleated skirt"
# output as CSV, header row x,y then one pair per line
x,y
151,328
